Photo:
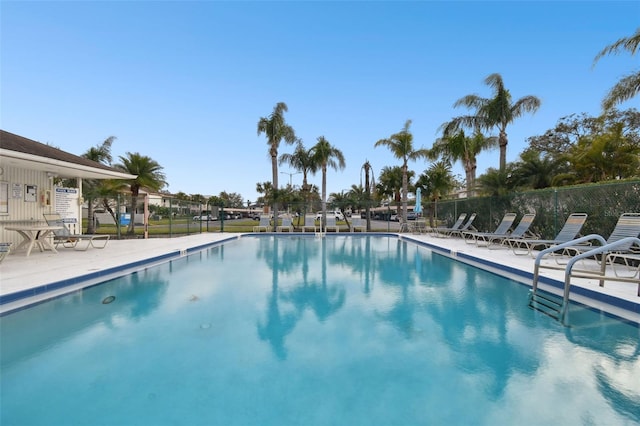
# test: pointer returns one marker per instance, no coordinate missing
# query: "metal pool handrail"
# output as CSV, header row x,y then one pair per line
x,y
604,248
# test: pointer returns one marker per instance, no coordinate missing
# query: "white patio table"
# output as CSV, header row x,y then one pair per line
x,y
34,235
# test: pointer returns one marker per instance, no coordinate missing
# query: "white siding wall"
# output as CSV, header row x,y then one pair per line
x,y
20,211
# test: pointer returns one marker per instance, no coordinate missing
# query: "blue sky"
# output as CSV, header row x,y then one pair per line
x,y
185,83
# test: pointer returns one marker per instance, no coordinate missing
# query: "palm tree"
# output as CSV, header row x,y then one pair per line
x,y
629,85
401,146
454,145
325,155
498,111
608,156
342,200
369,181
92,187
496,183
148,175
276,129
536,170
390,184
302,161
436,182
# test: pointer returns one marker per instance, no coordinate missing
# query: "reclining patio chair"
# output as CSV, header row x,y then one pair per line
x,y
265,222
310,223
5,248
76,241
628,225
502,229
569,232
447,231
521,231
468,225
331,224
358,224
286,225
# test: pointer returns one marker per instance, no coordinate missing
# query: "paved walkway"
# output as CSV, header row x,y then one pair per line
x,y
19,273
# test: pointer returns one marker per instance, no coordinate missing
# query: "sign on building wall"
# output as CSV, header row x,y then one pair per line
x,y
66,205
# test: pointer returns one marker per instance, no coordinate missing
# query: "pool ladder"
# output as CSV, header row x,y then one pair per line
x,y
546,303
558,307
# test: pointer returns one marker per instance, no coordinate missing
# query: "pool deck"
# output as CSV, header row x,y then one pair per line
x,y
69,270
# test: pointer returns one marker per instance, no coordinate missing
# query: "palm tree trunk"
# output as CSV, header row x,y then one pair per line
x,y
404,191
274,169
90,217
503,141
134,203
324,195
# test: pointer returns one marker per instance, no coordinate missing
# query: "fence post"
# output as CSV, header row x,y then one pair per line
x,y
222,218
118,216
170,217
555,211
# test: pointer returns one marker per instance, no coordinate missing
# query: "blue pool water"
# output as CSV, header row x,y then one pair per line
x,y
314,331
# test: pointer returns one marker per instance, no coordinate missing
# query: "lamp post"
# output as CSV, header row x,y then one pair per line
x,y
290,185
290,176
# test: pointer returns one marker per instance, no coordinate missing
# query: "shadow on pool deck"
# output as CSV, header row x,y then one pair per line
x,y
19,273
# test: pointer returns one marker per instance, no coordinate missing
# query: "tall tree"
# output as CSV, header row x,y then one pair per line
x,y
607,156
401,146
149,175
536,170
498,111
369,181
276,130
454,145
302,161
629,85
93,188
436,182
326,155
390,184
495,183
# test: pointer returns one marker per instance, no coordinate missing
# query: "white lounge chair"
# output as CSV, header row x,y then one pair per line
x,y
331,224
5,248
310,223
286,225
69,240
265,222
485,237
358,224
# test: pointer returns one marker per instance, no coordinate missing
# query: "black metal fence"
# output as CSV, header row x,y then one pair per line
x,y
604,203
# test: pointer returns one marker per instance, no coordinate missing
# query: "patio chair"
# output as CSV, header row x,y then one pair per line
x,y
76,241
569,232
628,225
503,228
5,248
419,226
458,223
331,224
467,225
521,231
310,223
265,222
358,224
286,225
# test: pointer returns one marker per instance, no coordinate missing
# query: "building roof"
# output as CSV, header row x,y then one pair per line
x,y
21,152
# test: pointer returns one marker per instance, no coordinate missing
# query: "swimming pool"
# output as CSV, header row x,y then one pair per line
x,y
303,330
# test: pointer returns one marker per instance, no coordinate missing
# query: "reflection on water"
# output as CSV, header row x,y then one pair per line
x,y
305,330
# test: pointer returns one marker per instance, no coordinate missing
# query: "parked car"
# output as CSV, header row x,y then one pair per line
x,y
204,217
412,215
336,213
394,218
